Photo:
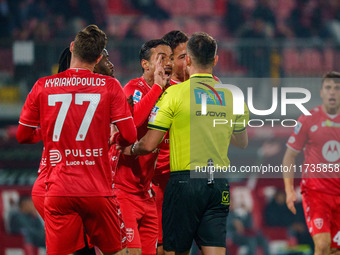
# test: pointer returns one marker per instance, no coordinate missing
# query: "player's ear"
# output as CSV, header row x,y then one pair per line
x,y
188,60
71,46
215,60
145,64
99,58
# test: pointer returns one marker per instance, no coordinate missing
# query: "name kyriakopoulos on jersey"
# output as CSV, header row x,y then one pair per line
x,y
74,81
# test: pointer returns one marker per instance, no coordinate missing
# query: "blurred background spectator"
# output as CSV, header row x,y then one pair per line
x,y
24,220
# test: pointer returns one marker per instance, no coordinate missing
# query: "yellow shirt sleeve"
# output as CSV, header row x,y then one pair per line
x,y
162,114
241,121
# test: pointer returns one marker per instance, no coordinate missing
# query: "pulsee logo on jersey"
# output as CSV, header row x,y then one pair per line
x,y
210,96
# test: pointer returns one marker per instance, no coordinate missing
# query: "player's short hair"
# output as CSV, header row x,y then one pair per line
x,y
175,37
202,48
64,60
89,44
145,51
333,75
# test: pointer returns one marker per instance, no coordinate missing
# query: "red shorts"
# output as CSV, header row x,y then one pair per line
x,y
38,202
141,221
66,217
159,191
322,213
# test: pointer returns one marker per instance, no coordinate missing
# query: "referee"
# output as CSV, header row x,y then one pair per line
x,y
196,203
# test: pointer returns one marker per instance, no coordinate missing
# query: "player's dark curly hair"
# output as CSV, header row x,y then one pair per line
x,y
64,60
175,37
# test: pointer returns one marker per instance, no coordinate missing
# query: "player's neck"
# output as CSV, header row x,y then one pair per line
x,y
83,65
196,70
149,79
332,111
176,78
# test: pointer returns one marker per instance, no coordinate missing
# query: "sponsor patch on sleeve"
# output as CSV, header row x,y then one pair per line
x,y
297,128
153,114
137,96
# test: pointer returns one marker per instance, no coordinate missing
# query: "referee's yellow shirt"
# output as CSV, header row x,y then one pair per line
x,y
197,138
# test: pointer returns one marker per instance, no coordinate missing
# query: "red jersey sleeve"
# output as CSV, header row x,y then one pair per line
x,y
120,109
30,115
299,137
28,134
143,107
127,132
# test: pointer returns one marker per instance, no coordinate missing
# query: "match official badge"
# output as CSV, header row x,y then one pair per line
x,y
130,234
318,223
137,96
225,198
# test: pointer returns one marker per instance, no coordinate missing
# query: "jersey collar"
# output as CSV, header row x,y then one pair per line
x,y
173,82
144,82
201,75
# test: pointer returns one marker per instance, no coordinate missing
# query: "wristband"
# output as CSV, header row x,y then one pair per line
x,y
133,148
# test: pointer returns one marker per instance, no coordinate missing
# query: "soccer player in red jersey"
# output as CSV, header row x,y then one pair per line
x,y
104,67
70,107
133,175
178,43
319,136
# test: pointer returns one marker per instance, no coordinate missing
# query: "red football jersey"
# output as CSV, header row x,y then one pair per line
x,y
74,110
319,136
162,171
134,173
39,187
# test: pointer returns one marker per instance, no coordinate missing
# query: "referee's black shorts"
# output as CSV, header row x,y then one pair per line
x,y
194,209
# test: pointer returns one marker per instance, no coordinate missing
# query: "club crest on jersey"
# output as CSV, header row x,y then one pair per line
x,y
153,114
130,234
291,139
137,96
314,128
297,128
331,151
318,223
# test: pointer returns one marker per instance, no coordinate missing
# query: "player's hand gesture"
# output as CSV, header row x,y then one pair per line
x,y
159,75
113,131
290,200
124,150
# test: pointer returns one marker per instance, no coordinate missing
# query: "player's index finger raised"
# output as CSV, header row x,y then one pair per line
x,y
159,60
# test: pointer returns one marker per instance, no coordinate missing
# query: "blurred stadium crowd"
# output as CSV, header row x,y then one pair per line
x,y
224,19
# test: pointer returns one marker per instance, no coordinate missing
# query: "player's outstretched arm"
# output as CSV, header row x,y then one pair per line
x,y
146,145
29,135
288,178
240,140
127,132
